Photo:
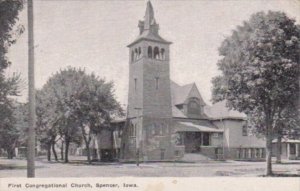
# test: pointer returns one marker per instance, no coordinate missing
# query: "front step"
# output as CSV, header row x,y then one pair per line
x,y
196,157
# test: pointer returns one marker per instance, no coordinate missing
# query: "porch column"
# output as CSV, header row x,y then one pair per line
x,y
201,138
17,152
297,149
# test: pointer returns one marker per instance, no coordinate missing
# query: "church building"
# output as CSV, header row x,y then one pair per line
x,y
165,120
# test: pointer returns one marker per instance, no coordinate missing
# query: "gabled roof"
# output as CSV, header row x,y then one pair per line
x,y
217,111
220,111
177,113
180,93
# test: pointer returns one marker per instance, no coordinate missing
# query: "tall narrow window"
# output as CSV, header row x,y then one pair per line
x,y
162,52
135,84
131,130
134,130
156,53
136,54
140,52
149,52
156,82
245,130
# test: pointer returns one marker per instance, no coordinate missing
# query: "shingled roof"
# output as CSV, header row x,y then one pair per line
x,y
220,111
180,93
216,111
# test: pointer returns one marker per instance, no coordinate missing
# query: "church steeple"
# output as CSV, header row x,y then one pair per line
x,y
149,94
149,16
149,28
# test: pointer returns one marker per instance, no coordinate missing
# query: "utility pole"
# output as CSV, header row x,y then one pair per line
x,y
138,134
31,94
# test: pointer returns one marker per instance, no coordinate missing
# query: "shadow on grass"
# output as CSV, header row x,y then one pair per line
x,y
15,167
282,175
12,167
288,163
119,163
83,163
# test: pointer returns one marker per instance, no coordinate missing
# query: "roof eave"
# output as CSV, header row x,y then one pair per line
x,y
228,118
140,39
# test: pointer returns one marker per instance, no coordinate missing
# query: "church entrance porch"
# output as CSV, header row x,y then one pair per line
x,y
194,140
200,139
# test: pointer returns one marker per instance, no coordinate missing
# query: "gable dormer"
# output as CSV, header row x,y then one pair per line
x,y
188,100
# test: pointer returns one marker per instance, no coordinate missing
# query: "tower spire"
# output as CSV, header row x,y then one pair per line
x,y
149,16
149,28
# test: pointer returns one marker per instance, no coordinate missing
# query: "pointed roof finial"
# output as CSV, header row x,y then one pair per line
x,y
149,16
149,28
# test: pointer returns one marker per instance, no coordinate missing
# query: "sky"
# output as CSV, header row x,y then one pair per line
x,y
93,34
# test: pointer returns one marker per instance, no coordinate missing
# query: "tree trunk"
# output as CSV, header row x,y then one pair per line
x,y
87,140
54,151
88,153
10,153
67,142
49,151
87,146
269,154
62,151
278,153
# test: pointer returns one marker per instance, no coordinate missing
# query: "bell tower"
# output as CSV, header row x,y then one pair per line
x,y
149,96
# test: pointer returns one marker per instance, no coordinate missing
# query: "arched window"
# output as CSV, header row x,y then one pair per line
x,y
156,53
193,106
140,52
162,53
136,54
132,56
149,52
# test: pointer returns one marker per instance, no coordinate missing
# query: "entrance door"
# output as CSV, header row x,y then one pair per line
x,y
206,141
188,142
192,142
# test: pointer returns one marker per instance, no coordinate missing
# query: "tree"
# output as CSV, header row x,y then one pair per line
x,y
78,105
13,127
9,86
47,130
94,106
9,10
260,71
53,112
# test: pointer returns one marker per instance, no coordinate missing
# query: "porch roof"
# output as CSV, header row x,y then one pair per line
x,y
191,127
284,140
